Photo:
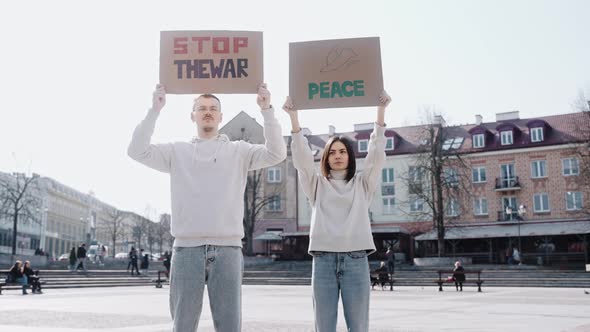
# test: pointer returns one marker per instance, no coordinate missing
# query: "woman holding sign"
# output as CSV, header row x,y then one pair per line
x,y
340,238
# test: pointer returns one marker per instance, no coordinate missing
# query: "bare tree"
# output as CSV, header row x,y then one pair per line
x,y
114,227
163,231
438,180
18,200
255,199
139,230
582,104
151,231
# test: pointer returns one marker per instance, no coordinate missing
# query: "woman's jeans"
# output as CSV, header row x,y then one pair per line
x,y
343,274
221,269
23,281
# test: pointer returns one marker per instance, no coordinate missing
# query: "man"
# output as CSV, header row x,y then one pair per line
x,y
207,179
390,254
81,257
133,261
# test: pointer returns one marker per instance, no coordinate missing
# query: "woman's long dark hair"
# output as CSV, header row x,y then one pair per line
x,y
325,166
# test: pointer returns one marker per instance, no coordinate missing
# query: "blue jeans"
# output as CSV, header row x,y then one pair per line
x,y
343,274
221,269
24,281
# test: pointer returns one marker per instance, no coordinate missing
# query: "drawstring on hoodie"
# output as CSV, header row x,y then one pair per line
x,y
214,157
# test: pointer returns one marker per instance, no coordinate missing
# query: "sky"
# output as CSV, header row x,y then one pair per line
x,y
77,76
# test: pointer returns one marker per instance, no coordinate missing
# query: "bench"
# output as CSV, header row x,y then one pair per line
x,y
441,281
378,277
161,280
3,283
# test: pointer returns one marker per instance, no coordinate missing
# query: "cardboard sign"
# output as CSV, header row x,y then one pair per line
x,y
211,61
335,73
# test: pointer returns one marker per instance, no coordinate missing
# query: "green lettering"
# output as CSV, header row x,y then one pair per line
x,y
313,89
336,90
358,88
347,92
324,90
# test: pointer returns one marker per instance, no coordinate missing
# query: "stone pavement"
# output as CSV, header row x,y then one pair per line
x,y
289,309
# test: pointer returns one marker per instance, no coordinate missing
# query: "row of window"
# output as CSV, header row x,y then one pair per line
x,y
478,174
363,144
570,167
506,137
573,202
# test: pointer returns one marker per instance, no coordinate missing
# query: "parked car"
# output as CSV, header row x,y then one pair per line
x,y
64,258
121,255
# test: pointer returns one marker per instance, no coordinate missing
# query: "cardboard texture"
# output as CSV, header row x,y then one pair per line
x,y
211,61
335,73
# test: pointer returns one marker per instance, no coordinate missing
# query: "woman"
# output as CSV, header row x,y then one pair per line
x,y
459,276
340,234
16,275
73,259
32,278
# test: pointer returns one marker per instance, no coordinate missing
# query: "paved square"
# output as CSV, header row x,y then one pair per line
x,y
289,309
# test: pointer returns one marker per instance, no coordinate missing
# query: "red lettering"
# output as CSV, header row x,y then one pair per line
x,y
224,41
240,42
180,45
199,41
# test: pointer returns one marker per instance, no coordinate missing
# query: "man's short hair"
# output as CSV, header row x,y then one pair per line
x,y
206,95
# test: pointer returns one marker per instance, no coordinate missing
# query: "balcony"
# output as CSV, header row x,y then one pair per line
x,y
513,216
507,184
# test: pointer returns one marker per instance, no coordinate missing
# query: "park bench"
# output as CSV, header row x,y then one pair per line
x,y
380,277
441,281
4,283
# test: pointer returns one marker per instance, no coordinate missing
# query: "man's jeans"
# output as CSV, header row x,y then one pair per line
x,y
83,262
345,274
221,269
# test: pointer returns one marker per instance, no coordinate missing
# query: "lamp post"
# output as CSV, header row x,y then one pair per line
x,y
521,213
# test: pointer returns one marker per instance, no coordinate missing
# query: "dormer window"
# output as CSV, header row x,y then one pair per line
x,y
478,141
363,145
506,137
537,134
389,144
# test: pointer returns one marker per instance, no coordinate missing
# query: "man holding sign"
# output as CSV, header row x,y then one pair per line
x,y
207,178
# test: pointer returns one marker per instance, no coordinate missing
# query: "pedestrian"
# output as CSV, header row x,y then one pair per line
x,y
130,263
166,263
16,274
508,255
81,257
73,259
133,260
340,234
208,177
32,278
459,276
390,254
103,254
145,263
516,256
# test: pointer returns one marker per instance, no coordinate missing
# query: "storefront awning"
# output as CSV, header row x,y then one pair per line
x,y
294,234
374,230
394,229
269,236
511,230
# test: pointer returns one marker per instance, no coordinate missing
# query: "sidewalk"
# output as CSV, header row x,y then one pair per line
x,y
289,309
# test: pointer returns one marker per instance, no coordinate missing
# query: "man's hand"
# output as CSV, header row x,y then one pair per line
x,y
159,98
288,106
384,99
263,99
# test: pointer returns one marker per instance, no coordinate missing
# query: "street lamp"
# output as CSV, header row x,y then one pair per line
x,y
521,213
